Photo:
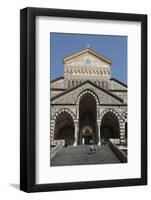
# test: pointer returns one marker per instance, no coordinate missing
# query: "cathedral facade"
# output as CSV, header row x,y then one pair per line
x,y
88,106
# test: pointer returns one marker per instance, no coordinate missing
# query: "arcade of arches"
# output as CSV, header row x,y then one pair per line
x,y
88,105
88,128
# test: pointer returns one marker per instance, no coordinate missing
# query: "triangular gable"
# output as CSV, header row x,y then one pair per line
x,y
70,96
88,51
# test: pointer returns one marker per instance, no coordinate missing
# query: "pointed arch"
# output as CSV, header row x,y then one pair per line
x,y
110,124
63,128
87,92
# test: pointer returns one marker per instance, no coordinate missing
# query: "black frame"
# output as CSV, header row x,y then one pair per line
x,y
27,99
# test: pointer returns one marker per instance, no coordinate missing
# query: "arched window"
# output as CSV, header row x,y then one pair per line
x,y
102,84
106,85
72,83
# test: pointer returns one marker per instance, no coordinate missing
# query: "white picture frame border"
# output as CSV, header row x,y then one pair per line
x,y
132,169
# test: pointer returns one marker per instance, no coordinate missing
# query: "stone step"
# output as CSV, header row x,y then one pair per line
x,y
80,155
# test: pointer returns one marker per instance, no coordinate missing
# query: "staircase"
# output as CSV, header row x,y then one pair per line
x,y
80,155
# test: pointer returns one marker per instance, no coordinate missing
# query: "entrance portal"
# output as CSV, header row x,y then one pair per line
x,y
87,138
87,120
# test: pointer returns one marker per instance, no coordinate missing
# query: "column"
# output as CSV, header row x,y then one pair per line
x,y
52,129
99,135
122,133
75,132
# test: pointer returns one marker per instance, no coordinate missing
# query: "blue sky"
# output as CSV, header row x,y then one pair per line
x,y
112,47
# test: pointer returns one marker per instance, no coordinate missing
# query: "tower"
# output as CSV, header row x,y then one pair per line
x,y
87,65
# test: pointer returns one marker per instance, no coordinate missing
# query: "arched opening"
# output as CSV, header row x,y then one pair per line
x,y
109,127
64,128
106,85
87,120
102,84
72,83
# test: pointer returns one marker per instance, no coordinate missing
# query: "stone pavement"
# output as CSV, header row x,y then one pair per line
x,y
79,155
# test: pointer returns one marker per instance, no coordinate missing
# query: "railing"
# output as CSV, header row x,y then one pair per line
x,y
118,149
56,146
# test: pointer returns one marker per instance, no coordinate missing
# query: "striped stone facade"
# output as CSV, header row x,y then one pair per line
x,y
87,75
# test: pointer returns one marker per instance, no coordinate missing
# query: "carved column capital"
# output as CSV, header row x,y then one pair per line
x,y
99,122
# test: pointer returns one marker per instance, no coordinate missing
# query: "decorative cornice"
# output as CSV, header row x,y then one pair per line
x,y
118,90
58,89
118,82
73,104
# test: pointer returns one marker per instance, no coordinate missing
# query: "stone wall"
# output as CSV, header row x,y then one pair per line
x,y
121,94
58,83
115,85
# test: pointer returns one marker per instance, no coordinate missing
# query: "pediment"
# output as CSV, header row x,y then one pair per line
x,y
87,57
70,96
